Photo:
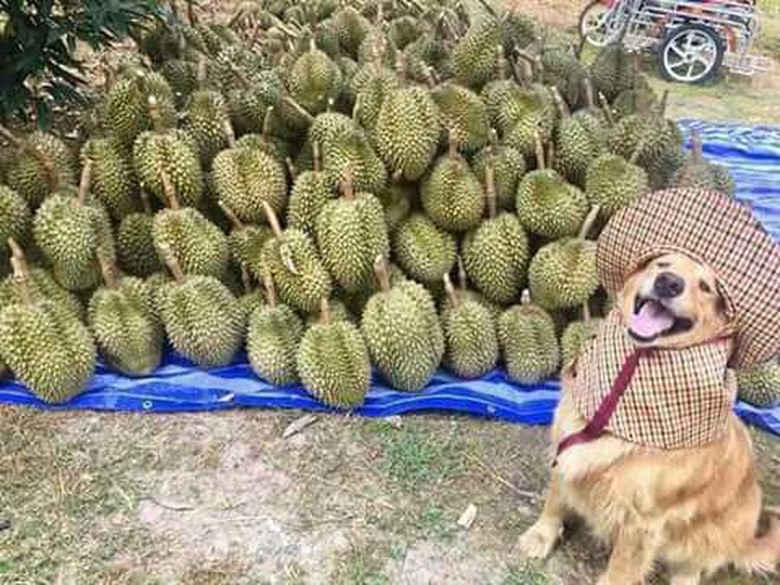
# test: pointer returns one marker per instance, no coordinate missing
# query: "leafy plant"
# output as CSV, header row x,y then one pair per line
x,y
39,64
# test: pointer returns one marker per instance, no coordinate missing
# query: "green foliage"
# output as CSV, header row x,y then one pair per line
x,y
38,42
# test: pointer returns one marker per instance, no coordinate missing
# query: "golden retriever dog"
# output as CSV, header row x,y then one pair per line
x,y
695,510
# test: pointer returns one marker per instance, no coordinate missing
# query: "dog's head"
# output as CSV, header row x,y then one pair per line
x,y
673,301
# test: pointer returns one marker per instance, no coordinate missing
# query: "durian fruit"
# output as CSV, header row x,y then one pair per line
x,y
15,217
524,113
407,132
333,363
71,231
275,331
465,114
113,183
375,83
38,285
495,254
451,194
309,194
562,70
245,178
546,204
529,345
171,152
203,320
470,335
463,293
337,311
314,79
563,273
182,76
198,245
352,150
208,121
697,173
498,90
760,385
612,72
250,99
46,348
404,30
397,199
423,250
246,242
351,232
474,56
40,166
377,48
576,336
351,28
661,154
613,182
252,298
290,258
135,248
508,167
126,112
579,139
265,141
128,336
403,333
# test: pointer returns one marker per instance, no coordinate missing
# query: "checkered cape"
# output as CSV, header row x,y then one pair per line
x,y
718,231
676,399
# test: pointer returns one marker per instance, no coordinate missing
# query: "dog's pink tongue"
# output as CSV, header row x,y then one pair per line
x,y
652,320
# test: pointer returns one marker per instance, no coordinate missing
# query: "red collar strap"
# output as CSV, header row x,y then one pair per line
x,y
595,427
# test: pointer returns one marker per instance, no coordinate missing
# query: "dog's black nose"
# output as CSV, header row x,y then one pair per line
x,y
668,285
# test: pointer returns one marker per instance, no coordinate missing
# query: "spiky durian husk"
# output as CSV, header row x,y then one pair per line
x,y
15,217
198,245
334,365
760,385
451,194
135,245
563,273
397,200
203,320
424,251
612,183
246,247
351,28
308,196
41,167
474,57
574,338
464,115
113,182
40,286
528,343
315,79
508,168
549,206
272,343
351,153
470,338
207,120
47,349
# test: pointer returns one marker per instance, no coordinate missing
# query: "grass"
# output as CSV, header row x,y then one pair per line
x,y
362,565
526,576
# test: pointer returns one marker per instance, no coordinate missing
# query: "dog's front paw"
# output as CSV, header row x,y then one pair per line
x,y
539,540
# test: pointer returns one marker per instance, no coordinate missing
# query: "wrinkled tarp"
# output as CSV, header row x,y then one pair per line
x,y
751,154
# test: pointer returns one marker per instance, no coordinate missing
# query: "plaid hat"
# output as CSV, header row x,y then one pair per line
x,y
717,231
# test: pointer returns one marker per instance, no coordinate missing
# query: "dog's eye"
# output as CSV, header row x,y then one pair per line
x,y
705,287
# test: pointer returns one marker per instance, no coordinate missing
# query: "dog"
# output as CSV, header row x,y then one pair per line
x,y
695,509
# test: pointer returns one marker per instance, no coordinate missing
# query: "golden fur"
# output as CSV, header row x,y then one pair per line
x,y
696,510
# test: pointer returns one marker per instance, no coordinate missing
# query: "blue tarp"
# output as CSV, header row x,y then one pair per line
x,y
752,155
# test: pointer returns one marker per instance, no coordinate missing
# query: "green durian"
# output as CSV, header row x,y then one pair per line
x,y
423,250
465,115
352,150
208,122
397,199
314,79
576,336
508,168
113,183
351,28
246,242
474,56
697,173
529,345
15,217
613,182
760,385
135,248
333,362
309,195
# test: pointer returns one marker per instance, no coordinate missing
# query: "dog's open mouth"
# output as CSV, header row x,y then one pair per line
x,y
652,319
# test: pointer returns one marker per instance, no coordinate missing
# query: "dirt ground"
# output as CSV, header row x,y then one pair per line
x,y
224,498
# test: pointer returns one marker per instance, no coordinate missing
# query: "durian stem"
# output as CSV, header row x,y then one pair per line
x,y
270,290
607,109
382,276
590,220
463,282
525,297
348,185
640,147
202,72
400,68
169,190
230,133
18,254
356,110
193,18
539,151
452,144
85,182
298,108
501,63
267,122
107,270
172,263
231,215
316,157
586,313
10,137
494,144
246,278
450,291
291,168
19,267
154,113
325,311
312,44
559,104
550,154
490,191
664,102
273,221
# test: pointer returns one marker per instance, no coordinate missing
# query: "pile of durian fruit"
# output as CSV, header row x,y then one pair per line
x,y
338,188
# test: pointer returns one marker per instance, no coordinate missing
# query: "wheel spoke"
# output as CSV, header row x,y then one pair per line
x,y
677,50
